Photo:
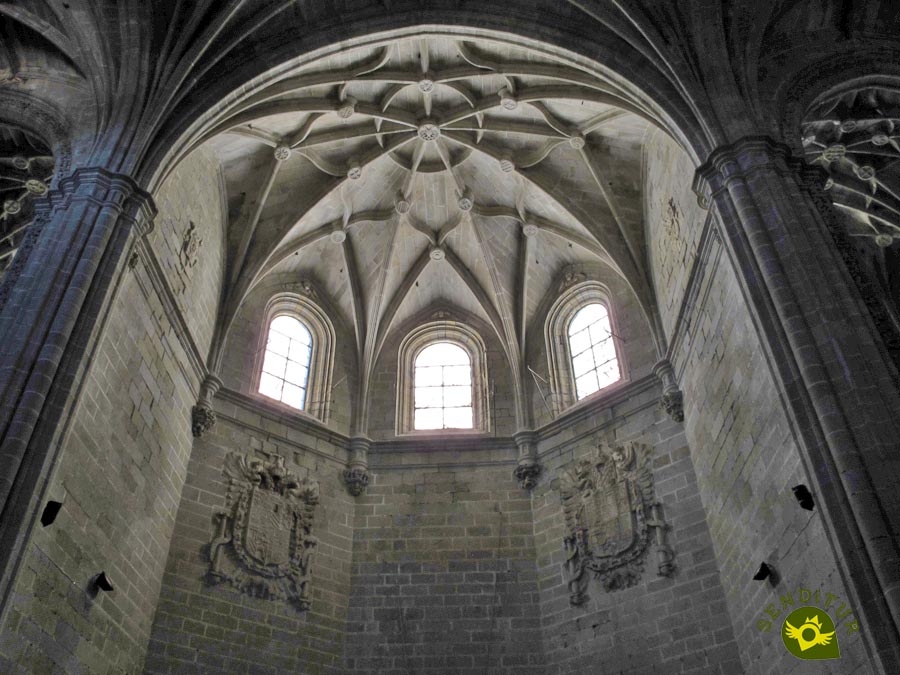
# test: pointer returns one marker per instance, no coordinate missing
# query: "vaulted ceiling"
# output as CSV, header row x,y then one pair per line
x,y
432,170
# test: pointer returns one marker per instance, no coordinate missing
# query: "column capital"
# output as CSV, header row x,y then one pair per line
x,y
738,160
109,190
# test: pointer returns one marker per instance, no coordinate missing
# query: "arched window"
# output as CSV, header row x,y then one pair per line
x,y
441,380
285,370
582,344
594,362
295,357
443,388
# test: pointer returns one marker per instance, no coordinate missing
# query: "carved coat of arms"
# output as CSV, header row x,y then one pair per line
x,y
610,511
263,542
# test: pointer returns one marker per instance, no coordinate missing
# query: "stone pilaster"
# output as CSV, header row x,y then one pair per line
x,y
356,475
837,384
54,301
528,468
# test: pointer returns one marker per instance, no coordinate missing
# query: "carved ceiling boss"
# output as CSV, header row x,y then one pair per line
x,y
610,509
263,542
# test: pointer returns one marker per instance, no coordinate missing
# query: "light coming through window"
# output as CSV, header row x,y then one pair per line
x,y
443,388
285,370
594,363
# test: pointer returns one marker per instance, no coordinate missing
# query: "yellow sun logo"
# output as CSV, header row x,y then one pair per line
x,y
808,637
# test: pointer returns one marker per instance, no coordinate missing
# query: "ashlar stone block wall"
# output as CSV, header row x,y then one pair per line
x,y
444,577
741,444
122,464
209,628
676,624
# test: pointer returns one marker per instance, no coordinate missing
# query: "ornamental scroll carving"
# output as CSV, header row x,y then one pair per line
x,y
263,543
610,513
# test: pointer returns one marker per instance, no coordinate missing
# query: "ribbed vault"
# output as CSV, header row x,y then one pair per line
x,y
428,171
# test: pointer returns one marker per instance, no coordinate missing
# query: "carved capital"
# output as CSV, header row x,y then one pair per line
x,y
736,161
356,479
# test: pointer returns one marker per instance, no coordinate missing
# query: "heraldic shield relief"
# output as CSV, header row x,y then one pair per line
x,y
263,542
610,511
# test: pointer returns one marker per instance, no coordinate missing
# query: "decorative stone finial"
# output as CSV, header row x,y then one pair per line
x,y
466,202
282,153
429,130
437,253
576,141
338,236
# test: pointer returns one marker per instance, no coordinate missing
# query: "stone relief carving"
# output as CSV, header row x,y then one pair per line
x,y
190,246
610,511
263,543
672,220
570,278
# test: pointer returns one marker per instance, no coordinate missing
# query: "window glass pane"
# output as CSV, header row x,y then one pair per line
x,y
599,331
442,354
443,382
277,343
429,418
592,350
299,352
586,316
429,376
293,395
583,363
586,384
457,375
428,397
457,396
274,364
604,353
286,361
608,376
270,386
579,342
458,418
296,374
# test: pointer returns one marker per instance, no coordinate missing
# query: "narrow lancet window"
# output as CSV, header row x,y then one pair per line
x,y
594,363
285,370
443,388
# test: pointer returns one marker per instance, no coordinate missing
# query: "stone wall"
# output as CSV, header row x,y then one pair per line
x,y
741,445
119,476
747,462
202,627
444,577
663,624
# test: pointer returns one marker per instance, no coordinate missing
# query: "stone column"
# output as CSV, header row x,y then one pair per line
x,y
54,300
838,387
356,475
528,468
